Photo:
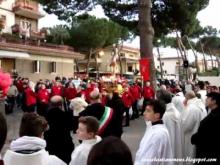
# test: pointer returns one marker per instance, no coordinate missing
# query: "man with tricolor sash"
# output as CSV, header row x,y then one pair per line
x,y
104,114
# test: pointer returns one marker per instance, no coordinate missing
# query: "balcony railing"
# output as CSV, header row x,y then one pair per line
x,y
27,10
37,35
14,39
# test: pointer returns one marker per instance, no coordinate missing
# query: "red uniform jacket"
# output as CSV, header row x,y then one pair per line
x,y
19,86
136,92
30,97
70,93
43,96
148,93
127,99
87,94
56,90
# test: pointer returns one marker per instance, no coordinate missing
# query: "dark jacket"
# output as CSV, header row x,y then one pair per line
x,y
97,110
207,138
117,105
59,141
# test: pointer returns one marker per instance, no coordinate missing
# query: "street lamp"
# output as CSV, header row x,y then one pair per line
x,y
158,51
101,53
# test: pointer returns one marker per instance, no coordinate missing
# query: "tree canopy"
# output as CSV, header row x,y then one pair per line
x,y
89,32
58,34
167,15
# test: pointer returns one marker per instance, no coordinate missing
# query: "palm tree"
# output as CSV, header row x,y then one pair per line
x,y
59,34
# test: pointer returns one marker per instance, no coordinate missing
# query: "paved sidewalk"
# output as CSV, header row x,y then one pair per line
x,y
131,136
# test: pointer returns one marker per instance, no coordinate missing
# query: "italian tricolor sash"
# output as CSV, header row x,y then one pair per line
x,y
105,119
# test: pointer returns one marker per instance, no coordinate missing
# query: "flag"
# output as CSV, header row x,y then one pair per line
x,y
145,68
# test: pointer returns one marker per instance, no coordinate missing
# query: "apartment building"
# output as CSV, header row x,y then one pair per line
x,y
128,61
22,45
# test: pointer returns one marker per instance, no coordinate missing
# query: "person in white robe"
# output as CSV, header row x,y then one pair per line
x,y
202,91
178,100
171,119
29,148
87,132
193,113
155,143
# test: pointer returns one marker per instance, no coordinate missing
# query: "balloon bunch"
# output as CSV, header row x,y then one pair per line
x,y
5,82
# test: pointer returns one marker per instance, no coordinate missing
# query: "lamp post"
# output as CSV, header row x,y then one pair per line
x,y
159,57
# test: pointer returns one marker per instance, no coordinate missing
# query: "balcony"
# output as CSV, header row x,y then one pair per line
x,y
26,10
12,42
37,35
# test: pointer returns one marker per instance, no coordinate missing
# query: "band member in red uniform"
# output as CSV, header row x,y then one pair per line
x,y
148,94
69,93
29,99
42,100
57,89
136,93
19,85
88,90
127,99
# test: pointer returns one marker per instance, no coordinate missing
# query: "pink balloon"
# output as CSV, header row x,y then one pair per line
x,y
5,82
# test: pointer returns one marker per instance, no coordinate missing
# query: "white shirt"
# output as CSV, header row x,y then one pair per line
x,y
81,152
154,144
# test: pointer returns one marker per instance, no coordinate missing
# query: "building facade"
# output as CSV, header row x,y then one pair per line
x,y
127,61
22,46
172,63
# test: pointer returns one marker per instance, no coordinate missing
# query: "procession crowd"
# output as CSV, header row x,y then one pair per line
x,y
182,122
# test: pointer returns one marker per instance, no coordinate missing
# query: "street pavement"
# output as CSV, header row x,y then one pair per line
x,y
131,136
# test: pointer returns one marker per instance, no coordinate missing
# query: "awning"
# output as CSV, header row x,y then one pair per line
x,y
12,54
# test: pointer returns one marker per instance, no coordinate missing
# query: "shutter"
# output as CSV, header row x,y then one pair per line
x,y
36,65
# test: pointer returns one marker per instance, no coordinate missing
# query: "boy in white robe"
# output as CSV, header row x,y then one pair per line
x,y
155,143
87,132
171,119
29,148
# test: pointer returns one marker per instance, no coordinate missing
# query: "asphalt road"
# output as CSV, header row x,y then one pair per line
x,y
131,136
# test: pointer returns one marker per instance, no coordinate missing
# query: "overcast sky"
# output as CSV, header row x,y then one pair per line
x,y
208,16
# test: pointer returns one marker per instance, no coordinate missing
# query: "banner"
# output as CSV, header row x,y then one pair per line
x,y
145,68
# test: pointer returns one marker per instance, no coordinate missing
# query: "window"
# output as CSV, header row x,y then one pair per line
x,y
24,24
53,67
36,66
162,63
130,69
25,27
122,54
3,17
158,67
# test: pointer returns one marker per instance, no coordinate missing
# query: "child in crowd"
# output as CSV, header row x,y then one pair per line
x,y
29,148
155,143
87,132
110,151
